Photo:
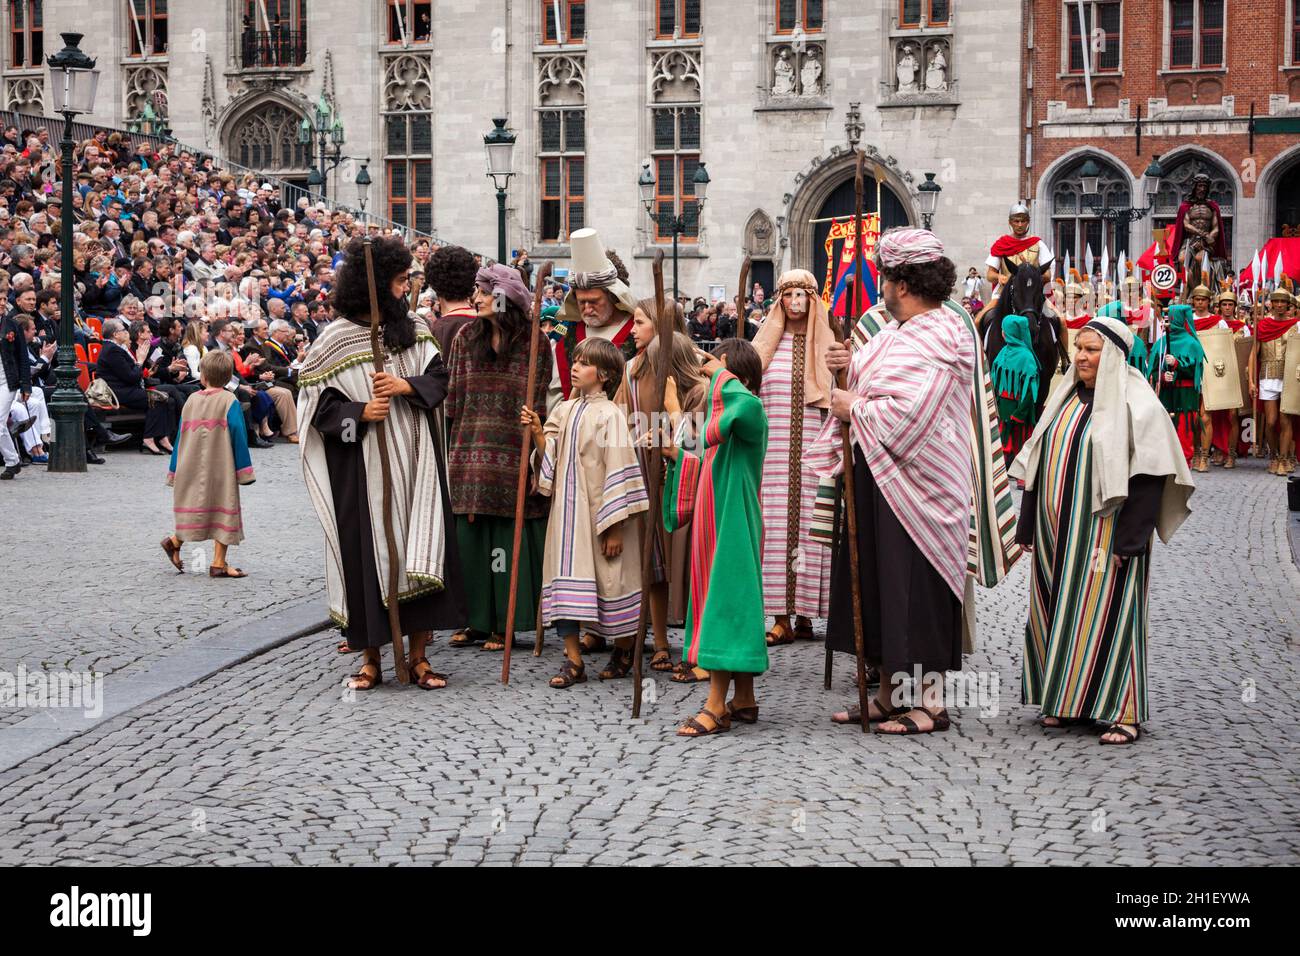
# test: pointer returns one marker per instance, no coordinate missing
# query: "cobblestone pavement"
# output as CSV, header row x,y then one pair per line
x,y
97,593
270,762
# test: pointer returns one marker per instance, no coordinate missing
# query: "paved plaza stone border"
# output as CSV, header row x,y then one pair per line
x,y
188,664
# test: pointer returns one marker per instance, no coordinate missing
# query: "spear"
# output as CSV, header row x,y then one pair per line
x,y
846,443
521,488
664,328
742,297
386,476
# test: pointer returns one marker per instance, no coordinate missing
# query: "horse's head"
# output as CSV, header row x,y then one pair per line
x,y
1026,293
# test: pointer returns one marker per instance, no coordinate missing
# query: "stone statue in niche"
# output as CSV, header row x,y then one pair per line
x,y
783,84
810,77
936,71
907,70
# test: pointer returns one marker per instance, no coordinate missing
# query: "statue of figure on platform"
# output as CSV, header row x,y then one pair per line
x,y
810,77
1197,230
936,73
783,84
907,70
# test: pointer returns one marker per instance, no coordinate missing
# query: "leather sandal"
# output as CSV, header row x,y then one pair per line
x,y
662,660
720,725
854,713
746,715
620,662
804,632
592,643
1129,736
464,638
570,674
420,678
225,571
780,634
910,727
363,681
684,673
173,553
343,648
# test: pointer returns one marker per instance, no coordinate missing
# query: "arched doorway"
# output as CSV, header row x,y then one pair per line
x,y
265,139
841,203
1286,203
1077,225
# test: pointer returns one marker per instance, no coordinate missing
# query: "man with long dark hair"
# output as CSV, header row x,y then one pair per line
x,y
340,398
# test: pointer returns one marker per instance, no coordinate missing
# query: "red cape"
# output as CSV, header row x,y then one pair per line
x,y
1271,328
1011,246
1209,322
1077,323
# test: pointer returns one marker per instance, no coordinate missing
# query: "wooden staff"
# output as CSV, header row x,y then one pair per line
x,y
742,298
417,280
664,330
850,508
525,450
381,434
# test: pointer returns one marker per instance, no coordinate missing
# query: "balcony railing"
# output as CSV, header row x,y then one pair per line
x,y
270,49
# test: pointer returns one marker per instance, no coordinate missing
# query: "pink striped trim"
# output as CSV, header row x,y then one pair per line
x,y
244,471
210,524
198,423
224,511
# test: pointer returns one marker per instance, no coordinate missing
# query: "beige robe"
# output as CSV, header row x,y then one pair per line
x,y
590,472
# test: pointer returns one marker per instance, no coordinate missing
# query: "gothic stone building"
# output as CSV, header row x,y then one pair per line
x,y
766,93
1177,78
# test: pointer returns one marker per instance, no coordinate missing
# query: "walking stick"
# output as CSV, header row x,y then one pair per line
x,y
742,297
525,447
654,466
381,434
850,509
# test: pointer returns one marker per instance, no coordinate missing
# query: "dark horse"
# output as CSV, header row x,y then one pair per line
x,y
1023,295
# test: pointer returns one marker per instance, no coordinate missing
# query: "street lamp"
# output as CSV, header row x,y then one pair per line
x,y
326,129
928,197
73,79
668,220
362,181
1090,175
499,144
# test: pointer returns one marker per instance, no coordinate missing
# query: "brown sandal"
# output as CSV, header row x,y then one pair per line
x,y
662,660
1129,736
419,679
225,571
497,639
780,634
592,643
570,674
911,727
343,648
620,662
684,673
746,715
804,632
720,725
355,681
173,553
854,713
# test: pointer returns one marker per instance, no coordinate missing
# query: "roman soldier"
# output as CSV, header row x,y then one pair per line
x,y
1227,424
598,303
1009,251
1267,367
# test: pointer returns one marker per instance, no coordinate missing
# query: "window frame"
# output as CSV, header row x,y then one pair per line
x,y
678,31
30,7
408,19
1197,33
567,6
925,15
409,158
566,158
297,23
801,19
148,25
1070,10
679,155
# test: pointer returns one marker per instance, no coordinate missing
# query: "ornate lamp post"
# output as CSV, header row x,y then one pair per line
x,y
1090,176
326,129
73,79
928,197
668,220
500,147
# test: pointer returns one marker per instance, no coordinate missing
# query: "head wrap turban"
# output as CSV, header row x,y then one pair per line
x,y
505,280
900,247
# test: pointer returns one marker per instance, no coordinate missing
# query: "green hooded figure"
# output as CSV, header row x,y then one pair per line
x,y
1015,383
1179,382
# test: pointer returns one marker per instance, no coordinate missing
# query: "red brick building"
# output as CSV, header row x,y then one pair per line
x,y
1174,78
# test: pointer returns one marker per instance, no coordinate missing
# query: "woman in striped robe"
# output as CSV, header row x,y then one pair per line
x,y
1102,470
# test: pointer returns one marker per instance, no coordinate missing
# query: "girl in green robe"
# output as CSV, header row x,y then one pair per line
x,y
1015,383
715,490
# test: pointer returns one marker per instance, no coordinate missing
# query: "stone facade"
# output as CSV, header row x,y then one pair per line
x,y
766,104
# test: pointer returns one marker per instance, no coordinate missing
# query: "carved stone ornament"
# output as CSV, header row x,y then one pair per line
x,y
408,83
561,80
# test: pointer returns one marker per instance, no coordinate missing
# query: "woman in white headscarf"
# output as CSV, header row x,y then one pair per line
x,y
1102,471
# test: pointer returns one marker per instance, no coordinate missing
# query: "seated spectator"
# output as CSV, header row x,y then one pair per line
x,y
123,370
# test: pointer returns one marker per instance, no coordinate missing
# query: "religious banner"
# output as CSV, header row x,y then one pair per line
x,y
837,278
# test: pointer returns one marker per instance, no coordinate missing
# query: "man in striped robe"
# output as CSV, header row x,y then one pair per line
x,y
795,391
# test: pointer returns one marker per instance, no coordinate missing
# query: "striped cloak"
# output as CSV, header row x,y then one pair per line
x,y
340,358
209,462
591,474
716,492
1085,643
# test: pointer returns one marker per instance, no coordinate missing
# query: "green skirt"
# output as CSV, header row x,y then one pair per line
x,y
486,544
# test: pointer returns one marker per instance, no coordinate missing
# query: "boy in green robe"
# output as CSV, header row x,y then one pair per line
x,y
715,490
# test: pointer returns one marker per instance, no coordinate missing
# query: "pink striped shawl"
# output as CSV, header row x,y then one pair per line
x,y
912,423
